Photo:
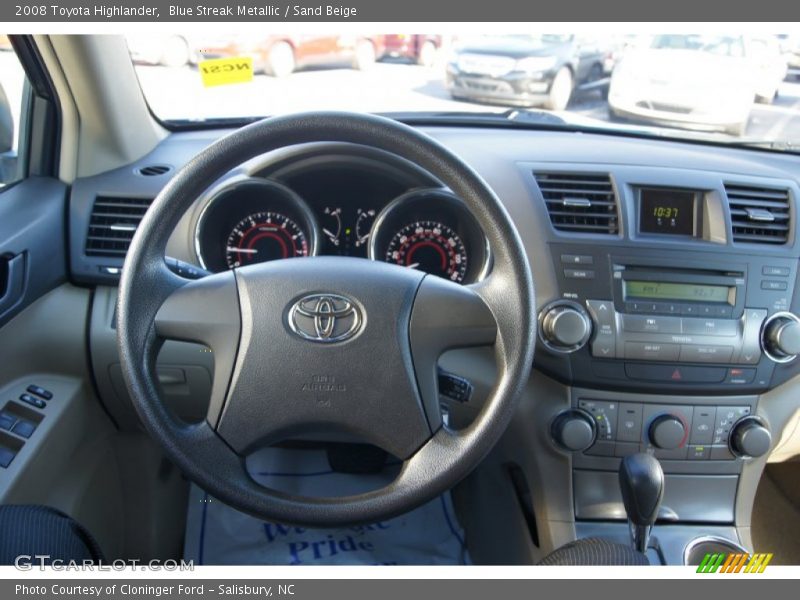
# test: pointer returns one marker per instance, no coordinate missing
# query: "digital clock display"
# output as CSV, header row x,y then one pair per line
x,y
667,211
661,290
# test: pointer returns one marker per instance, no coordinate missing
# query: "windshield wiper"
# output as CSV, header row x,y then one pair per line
x,y
779,145
511,117
527,115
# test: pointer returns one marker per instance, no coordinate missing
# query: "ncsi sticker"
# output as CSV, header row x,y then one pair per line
x,y
224,71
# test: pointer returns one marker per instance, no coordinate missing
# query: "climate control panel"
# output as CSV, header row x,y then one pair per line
x,y
670,432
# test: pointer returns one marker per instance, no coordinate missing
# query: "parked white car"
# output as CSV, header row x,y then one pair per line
x,y
166,50
697,81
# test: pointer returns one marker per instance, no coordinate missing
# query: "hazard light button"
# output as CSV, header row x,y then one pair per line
x,y
675,373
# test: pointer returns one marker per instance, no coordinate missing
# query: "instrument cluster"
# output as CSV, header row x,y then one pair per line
x,y
255,220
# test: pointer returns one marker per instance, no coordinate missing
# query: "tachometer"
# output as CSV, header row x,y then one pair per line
x,y
431,247
248,221
264,236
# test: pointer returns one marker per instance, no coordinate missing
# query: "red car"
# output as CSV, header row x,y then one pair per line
x,y
420,48
281,55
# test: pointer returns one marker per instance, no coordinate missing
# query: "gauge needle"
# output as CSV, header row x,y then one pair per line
x,y
243,250
413,265
330,234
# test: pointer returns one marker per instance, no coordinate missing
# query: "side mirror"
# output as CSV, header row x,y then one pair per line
x,y
6,123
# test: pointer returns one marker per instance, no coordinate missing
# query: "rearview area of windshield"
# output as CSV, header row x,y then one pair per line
x,y
728,88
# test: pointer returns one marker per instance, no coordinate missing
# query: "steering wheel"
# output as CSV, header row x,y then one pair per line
x,y
325,343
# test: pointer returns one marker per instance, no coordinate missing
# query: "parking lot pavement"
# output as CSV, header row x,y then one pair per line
x,y
387,87
178,93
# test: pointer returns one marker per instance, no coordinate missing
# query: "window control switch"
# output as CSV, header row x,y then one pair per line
x,y
40,391
7,421
33,401
6,456
24,428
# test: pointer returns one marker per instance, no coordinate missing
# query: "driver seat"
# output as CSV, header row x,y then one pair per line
x,y
32,531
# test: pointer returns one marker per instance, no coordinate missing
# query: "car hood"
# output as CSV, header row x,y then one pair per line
x,y
686,67
513,48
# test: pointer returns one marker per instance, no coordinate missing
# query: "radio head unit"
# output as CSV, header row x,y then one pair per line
x,y
640,288
699,320
666,291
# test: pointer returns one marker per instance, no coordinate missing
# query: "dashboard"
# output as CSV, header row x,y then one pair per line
x,y
665,276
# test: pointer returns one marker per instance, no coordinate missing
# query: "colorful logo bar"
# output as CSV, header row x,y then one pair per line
x,y
734,563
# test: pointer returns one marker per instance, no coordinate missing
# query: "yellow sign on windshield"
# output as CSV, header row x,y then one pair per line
x,y
223,71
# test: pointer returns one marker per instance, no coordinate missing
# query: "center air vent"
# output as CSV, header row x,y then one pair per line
x,y
580,202
759,215
113,223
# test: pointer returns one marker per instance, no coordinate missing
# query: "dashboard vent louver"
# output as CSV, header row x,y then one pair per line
x,y
580,202
154,170
759,215
113,222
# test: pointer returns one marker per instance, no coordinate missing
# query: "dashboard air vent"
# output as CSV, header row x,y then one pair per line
x,y
113,223
154,170
580,202
759,215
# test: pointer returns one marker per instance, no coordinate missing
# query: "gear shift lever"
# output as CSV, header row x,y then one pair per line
x,y
641,481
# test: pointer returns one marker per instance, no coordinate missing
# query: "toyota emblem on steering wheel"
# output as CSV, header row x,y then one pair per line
x,y
325,318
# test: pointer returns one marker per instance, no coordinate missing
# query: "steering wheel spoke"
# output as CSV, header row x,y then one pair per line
x,y
445,316
206,311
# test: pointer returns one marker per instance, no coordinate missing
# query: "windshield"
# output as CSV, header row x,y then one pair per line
x,y
725,88
725,46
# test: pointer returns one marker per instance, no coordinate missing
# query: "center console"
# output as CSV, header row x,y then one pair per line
x,y
666,353
666,335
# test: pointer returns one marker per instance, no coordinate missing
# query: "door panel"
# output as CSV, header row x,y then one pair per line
x,y
32,243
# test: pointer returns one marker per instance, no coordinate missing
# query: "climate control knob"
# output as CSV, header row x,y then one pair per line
x,y
750,438
780,337
667,432
574,430
565,327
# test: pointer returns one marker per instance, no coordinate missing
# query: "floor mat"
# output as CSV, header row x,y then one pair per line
x,y
776,520
217,534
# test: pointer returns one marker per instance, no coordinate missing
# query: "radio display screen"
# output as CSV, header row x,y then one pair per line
x,y
661,290
667,211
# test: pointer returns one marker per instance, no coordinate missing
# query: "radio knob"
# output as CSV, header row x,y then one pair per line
x,y
566,327
750,438
781,337
574,430
667,432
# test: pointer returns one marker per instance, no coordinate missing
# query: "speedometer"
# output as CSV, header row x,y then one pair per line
x,y
264,236
431,247
433,231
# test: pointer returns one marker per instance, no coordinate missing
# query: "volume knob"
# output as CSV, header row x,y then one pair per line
x,y
780,337
565,327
